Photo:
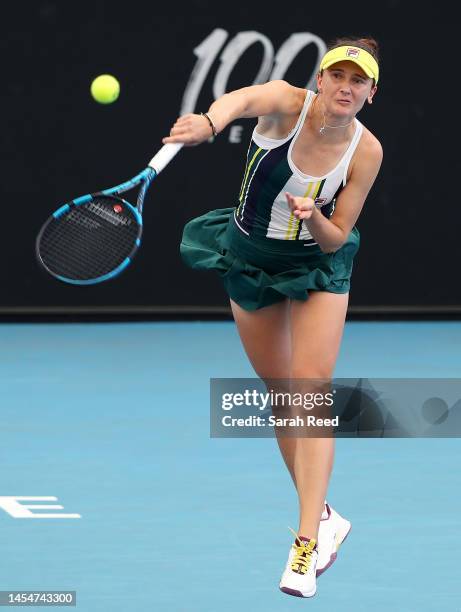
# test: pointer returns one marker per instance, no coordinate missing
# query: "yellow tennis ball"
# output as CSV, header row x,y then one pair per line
x,y
105,89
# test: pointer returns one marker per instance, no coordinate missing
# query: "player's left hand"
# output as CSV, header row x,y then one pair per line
x,y
303,208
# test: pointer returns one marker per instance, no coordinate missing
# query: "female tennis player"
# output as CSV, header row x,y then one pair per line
x,y
285,252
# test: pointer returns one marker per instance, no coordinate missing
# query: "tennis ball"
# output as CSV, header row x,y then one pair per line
x,y
105,89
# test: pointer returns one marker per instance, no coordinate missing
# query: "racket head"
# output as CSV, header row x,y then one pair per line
x,y
89,240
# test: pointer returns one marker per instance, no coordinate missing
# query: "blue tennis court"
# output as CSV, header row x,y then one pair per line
x,y
113,421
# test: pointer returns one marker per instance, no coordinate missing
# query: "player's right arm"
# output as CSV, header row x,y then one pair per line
x,y
277,98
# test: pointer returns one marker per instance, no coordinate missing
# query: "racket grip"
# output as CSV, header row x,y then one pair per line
x,y
164,156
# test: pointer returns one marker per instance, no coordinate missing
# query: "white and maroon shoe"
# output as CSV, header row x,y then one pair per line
x,y
333,530
299,577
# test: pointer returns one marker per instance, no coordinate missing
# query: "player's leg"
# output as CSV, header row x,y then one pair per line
x,y
266,338
317,327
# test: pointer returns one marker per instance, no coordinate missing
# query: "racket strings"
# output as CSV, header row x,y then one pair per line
x,y
90,240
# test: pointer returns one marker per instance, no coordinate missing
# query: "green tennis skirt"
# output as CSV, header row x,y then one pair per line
x,y
257,272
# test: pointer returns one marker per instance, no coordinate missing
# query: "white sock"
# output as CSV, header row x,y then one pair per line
x,y
324,513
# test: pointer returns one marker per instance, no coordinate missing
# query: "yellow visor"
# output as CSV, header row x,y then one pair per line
x,y
352,54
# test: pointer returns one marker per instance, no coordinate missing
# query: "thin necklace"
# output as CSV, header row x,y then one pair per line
x,y
332,127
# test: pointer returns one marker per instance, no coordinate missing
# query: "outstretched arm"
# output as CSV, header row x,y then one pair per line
x,y
274,97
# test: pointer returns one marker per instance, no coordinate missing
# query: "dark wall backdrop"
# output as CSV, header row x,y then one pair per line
x,y
57,143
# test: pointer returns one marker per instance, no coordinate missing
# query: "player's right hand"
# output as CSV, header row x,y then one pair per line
x,y
190,129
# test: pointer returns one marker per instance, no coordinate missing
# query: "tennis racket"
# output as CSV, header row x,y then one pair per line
x,y
95,237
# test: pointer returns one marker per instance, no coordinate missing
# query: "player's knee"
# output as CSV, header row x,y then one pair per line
x,y
306,373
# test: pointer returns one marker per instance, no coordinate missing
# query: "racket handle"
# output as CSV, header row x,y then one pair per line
x,y
164,156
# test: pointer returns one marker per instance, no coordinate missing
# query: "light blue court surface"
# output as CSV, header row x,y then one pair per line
x,y
113,420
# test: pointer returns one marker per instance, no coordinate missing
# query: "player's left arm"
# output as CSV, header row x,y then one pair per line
x,y
350,201
330,234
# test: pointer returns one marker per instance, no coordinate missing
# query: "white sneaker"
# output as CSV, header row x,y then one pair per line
x,y
299,577
333,530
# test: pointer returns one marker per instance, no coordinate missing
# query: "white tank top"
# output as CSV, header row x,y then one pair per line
x,y
270,171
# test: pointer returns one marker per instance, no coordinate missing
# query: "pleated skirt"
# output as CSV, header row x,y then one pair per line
x,y
258,272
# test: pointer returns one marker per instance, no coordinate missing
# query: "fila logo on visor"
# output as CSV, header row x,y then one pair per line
x,y
352,52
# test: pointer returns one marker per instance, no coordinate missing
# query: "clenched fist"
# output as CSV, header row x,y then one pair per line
x,y
191,129
302,208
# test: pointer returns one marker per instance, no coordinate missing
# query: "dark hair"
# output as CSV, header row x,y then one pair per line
x,y
367,44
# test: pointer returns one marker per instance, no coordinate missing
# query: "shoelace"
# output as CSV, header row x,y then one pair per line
x,y
303,554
